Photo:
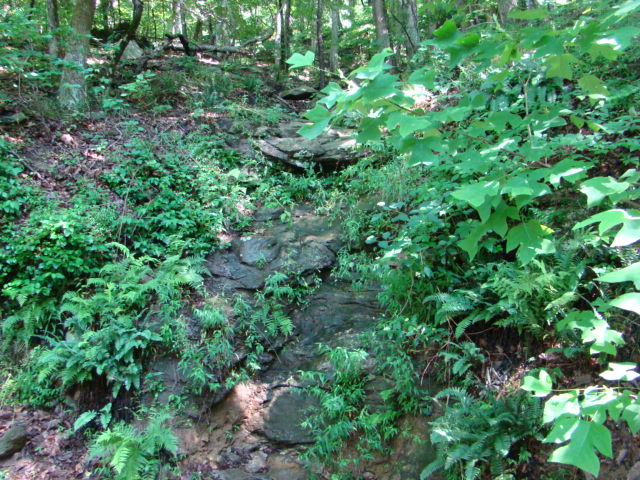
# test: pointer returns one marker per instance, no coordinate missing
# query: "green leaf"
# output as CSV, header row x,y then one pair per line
x,y
585,438
447,30
593,86
627,274
423,76
313,130
628,301
560,66
84,419
631,415
534,14
299,61
628,234
539,387
529,239
477,194
558,405
593,330
384,85
621,371
598,188
375,66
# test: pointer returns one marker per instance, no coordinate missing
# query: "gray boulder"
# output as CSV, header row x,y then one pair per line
x,y
13,440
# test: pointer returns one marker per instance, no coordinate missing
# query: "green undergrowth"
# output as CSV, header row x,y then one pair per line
x,y
501,222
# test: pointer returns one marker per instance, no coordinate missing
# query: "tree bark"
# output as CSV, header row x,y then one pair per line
x,y
73,91
322,78
335,34
286,35
383,38
277,54
138,8
410,14
53,22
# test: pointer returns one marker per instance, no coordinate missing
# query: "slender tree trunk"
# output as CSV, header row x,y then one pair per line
x,y
322,80
73,91
278,36
54,23
197,32
410,14
335,34
138,8
286,35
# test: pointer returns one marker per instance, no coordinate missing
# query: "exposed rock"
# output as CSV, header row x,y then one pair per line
x,y
13,440
284,416
303,152
302,92
132,51
257,250
268,214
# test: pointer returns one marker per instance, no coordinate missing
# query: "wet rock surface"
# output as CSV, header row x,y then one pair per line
x,y
253,431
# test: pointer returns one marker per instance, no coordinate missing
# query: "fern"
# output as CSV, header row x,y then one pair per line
x,y
477,434
134,454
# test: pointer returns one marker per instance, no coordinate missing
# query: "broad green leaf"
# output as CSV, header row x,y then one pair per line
x,y
333,94
423,76
447,30
382,86
529,239
585,438
313,130
630,221
298,60
569,170
558,405
369,130
593,86
469,41
560,66
375,66
621,371
594,331
598,188
627,274
539,387
477,194
534,14
628,301
631,415
471,242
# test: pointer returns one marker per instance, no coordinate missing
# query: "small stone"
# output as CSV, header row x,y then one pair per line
x,y
13,440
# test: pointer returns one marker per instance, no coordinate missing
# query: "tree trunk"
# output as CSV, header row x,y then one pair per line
x,y
54,23
335,34
73,91
410,14
138,8
277,54
197,32
322,79
383,38
286,35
